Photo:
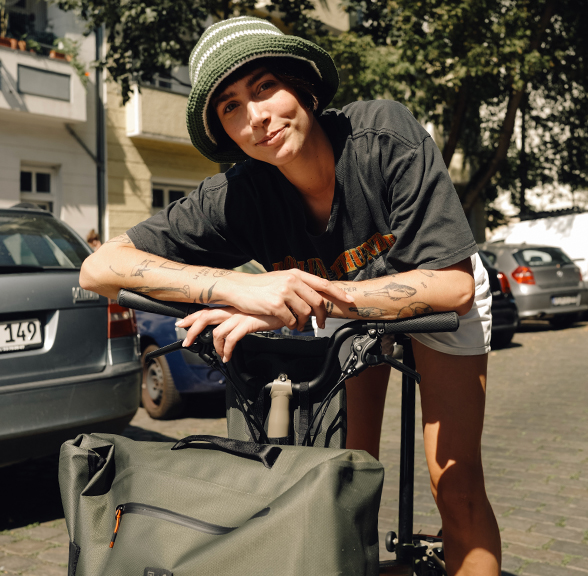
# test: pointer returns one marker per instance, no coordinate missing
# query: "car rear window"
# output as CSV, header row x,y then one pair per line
x,y
541,257
32,241
488,257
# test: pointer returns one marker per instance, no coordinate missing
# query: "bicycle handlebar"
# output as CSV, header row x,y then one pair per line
x,y
147,304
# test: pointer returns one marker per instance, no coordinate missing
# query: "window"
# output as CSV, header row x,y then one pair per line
x,y
38,241
36,187
43,83
545,256
162,195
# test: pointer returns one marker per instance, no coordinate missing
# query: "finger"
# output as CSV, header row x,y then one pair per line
x,y
325,286
202,320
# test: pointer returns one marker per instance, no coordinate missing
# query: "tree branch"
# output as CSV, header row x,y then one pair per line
x,y
459,111
484,175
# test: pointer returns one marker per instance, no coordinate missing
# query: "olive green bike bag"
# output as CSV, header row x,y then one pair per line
x,y
209,506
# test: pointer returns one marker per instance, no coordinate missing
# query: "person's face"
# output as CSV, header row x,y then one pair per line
x,y
265,118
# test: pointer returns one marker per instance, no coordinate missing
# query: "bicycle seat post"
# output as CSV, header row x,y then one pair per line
x,y
407,436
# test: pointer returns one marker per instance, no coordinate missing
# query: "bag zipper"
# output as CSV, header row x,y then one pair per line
x,y
169,516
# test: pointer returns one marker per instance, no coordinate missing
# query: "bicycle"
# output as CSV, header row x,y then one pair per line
x,y
415,553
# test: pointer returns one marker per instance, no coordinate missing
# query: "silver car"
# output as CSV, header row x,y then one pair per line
x,y
69,359
545,282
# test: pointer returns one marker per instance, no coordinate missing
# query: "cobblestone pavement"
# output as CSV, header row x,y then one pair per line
x,y
535,450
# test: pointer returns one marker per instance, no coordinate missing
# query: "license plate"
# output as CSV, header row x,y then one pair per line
x,y
566,300
20,335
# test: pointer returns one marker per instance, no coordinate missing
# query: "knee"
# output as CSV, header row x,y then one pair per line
x,y
460,495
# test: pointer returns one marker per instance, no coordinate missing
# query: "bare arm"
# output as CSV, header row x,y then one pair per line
x,y
291,296
409,294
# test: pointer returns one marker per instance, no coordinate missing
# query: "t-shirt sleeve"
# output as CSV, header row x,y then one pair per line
x,y
190,230
426,217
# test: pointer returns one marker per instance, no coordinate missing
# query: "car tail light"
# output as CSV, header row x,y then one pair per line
x,y
121,321
504,283
523,275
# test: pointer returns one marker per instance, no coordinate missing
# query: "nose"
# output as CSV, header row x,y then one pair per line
x,y
258,114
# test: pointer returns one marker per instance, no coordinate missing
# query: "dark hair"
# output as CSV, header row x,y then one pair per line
x,y
295,73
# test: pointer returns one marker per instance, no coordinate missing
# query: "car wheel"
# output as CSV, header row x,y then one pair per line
x,y
159,395
502,339
563,320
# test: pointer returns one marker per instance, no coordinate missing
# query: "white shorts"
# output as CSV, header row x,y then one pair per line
x,y
473,334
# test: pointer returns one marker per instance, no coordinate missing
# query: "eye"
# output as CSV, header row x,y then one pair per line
x,y
266,85
229,107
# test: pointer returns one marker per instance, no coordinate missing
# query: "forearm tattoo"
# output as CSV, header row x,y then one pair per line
x,y
329,306
121,239
171,265
428,273
414,309
221,273
393,291
141,268
117,273
368,311
208,299
185,290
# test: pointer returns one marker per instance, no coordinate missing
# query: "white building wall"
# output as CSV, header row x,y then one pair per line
x,y
32,140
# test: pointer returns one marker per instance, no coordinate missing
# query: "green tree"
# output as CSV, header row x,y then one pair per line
x,y
471,67
148,37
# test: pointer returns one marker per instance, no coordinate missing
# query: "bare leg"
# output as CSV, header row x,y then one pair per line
x,y
366,395
453,393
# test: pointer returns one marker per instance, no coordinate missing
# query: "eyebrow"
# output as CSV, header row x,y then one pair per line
x,y
252,80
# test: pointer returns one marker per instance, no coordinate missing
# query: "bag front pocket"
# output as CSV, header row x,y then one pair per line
x,y
174,517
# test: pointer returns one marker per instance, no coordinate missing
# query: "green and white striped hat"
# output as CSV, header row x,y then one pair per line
x,y
227,45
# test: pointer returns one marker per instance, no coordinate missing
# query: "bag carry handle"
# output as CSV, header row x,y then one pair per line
x,y
263,453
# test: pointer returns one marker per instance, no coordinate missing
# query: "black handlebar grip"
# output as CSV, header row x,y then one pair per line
x,y
439,322
148,304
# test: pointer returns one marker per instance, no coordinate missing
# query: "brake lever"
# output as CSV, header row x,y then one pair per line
x,y
359,357
202,346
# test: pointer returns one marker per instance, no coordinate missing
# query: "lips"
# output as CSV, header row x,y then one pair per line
x,y
271,137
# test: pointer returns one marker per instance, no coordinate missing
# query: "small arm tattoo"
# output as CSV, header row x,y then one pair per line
x,y
117,273
329,306
221,273
121,239
414,309
423,284
393,291
428,273
208,299
170,265
143,267
185,290
368,312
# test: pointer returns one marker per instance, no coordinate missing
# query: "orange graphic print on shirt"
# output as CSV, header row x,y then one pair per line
x,y
348,261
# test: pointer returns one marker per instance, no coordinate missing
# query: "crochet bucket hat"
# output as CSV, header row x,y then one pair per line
x,y
227,45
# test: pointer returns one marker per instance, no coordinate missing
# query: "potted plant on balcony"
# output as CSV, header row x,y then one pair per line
x,y
4,40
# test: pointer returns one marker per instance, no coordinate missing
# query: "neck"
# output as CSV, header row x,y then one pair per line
x,y
313,171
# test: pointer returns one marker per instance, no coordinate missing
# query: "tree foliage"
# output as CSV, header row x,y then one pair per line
x,y
474,68
470,67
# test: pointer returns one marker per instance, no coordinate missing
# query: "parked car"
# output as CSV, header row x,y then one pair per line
x,y
545,282
69,359
167,380
505,314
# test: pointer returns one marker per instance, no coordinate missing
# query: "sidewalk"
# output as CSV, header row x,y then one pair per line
x,y
535,450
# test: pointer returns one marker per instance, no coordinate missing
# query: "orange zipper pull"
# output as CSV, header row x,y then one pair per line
x,y
119,512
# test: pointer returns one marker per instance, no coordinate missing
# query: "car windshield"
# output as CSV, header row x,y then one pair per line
x,y
30,242
541,257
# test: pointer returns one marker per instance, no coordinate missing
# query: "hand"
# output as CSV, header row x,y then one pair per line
x,y
232,325
290,295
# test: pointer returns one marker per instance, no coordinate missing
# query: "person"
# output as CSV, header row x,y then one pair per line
x,y
93,239
353,213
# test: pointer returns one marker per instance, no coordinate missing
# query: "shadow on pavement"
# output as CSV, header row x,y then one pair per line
x,y
30,493
545,326
205,405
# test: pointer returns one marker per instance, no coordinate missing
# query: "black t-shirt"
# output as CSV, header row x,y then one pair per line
x,y
394,209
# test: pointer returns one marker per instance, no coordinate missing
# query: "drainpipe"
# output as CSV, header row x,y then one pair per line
x,y
100,139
